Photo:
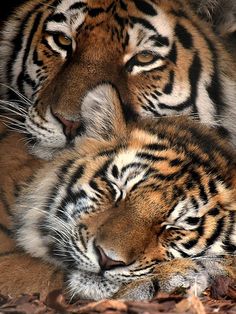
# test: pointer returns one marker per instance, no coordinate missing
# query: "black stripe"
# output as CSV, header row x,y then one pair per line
x,y
176,162
107,153
95,12
58,17
180,107
215,88
194,75
203,194
143,22
169,86
131,165
123,5
121,22
61,173
145,7
75,177
77,6
101,172
214,211
184,37
159,40
212,187
218,230
193,221
150,157
201,228
190,244
228,245
95,187
115,171
18,40
23,76
156,147
36,59
172,56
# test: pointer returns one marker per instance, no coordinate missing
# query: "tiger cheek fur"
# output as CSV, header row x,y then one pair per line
x,y
160,56
133,207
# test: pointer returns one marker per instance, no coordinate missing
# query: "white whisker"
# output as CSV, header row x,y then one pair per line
x,y
27,100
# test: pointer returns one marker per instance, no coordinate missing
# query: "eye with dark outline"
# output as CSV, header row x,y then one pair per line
x,y
145,57
62,41
142,58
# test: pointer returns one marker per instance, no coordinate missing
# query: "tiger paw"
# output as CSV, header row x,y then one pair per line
x,y
195,282
137,290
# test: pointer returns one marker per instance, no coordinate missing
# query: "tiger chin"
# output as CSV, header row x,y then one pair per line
x,y
161,57
134,207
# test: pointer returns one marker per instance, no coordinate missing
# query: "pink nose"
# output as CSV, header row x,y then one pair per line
x,y
69,127
106,262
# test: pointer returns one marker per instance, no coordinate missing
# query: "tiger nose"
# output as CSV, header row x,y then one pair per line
x,y
70,127
105,261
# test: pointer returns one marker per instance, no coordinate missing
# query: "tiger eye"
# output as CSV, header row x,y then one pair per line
x,y
64,40
145,57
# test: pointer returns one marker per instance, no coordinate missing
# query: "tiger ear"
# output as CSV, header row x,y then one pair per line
x,y
220,14
102,114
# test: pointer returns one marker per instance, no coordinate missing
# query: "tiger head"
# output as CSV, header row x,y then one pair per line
x,y
129,197
162,58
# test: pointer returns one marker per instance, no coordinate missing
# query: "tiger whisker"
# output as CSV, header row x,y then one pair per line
x,y
21,114
13,105
17,130
27,100
10,119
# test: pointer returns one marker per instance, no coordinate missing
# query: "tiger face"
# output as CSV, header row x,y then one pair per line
x,y
151,202
161,58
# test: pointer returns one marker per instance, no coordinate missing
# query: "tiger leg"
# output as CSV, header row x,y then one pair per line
x,y
193,274
21,273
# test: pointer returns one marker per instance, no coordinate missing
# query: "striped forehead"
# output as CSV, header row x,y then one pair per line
x,y
147,24
68,16
126,170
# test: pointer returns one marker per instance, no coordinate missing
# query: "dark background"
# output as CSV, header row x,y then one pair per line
x,y
6,7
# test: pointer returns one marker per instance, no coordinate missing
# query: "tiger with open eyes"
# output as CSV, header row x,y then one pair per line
x,y
162,58
132,208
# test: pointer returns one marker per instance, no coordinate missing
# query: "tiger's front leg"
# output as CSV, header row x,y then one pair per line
x,y
192,274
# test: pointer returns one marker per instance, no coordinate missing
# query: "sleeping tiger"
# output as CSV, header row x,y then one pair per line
x,y
162,58
132,208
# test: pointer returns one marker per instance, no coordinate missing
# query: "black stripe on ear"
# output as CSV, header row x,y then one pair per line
x,y
145,7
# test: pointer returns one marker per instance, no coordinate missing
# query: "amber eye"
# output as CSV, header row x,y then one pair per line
x,y
145,57
64,40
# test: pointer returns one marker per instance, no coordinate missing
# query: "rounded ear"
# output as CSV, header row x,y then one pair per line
x,y
220,14
102,114
206,8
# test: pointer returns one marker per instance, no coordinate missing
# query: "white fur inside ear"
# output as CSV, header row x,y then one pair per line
x,y
98,111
